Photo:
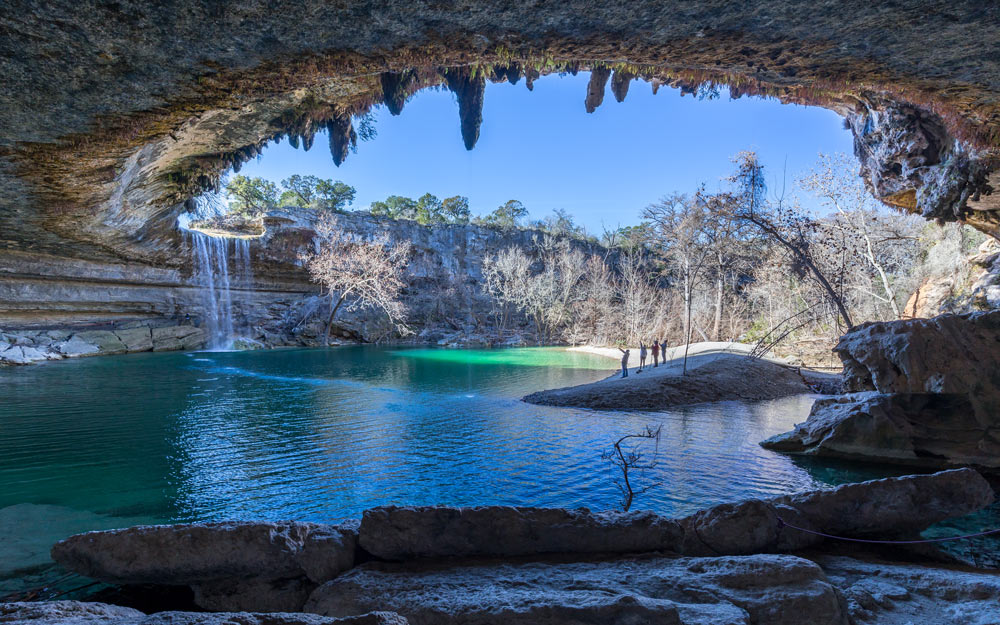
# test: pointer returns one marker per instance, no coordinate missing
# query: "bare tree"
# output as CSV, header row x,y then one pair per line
x,y
785,225
630,460
684,226
364,274
506,276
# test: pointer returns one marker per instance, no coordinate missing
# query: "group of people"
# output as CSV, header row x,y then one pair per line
x,y
657,348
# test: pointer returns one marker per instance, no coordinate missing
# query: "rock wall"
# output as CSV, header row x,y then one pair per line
x,y
46,299
921,391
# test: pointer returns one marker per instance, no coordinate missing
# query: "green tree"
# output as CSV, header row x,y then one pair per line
x,y
252,197
334,196
299,190
509,215
396,207
429,209
456,209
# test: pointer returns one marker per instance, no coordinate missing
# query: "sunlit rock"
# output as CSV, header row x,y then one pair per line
x,y
595,88
620,82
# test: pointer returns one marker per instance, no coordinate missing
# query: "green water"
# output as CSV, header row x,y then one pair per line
x,y
321,435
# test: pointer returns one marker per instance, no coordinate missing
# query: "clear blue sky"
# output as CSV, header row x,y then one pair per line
x,y
542,148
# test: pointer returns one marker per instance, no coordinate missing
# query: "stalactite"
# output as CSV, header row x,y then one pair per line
x,y
595,88
469,88
342,136
619,84
293,140
395,89
307,140
530,74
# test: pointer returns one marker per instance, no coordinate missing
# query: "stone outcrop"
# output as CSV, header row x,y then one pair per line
x,y
231,566
530,565
772,589
889,507
84,613
924,394
21,347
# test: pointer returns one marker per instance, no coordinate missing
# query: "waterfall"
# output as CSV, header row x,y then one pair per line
x,y
212,274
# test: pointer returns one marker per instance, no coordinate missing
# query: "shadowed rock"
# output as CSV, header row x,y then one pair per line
x,y
231,566
395,87
342,137
888,508
83,613
595,88
768,589
619,84
922,395
470,89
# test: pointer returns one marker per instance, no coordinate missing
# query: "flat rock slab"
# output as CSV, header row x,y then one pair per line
x,y
888,508
885,593
773,589
82,613
404,533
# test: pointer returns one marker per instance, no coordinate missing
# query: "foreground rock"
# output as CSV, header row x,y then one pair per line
x,y
82,613
888,508
231,566
710,377
24,347
774,589
921,395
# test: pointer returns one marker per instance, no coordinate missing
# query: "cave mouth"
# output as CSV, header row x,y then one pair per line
x,y
584,146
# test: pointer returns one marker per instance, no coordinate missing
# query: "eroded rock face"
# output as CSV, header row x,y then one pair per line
x,y
926,393
404,533
232,566
83,613
771,589
889,507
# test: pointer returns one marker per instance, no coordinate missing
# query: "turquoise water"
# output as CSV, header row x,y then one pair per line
x,y
321,435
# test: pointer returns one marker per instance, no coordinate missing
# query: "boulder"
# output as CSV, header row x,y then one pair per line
x,y
924,394
174,338
82,613
136,339
108,342
403,533
22,355
76,346
773,589
233,566
926,429
890,507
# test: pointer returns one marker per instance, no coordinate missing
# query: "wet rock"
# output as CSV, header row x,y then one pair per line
x,y
402,533
136,339
83,613
106,341
595,88
771,589
174,338
932,405
237,566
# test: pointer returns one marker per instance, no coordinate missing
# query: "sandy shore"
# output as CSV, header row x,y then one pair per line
x,y
715,372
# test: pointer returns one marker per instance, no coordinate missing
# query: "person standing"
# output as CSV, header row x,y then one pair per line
x,y
642,356
624,362
656,353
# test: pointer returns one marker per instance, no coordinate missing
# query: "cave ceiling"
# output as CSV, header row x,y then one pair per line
x,y
112,114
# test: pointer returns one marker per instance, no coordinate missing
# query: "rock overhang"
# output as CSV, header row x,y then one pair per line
x,y
116,113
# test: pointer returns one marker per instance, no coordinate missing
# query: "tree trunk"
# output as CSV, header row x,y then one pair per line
x,y
329,322
687,323
719,286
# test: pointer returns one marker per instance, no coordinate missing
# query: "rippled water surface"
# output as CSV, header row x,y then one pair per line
x,y
321,435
